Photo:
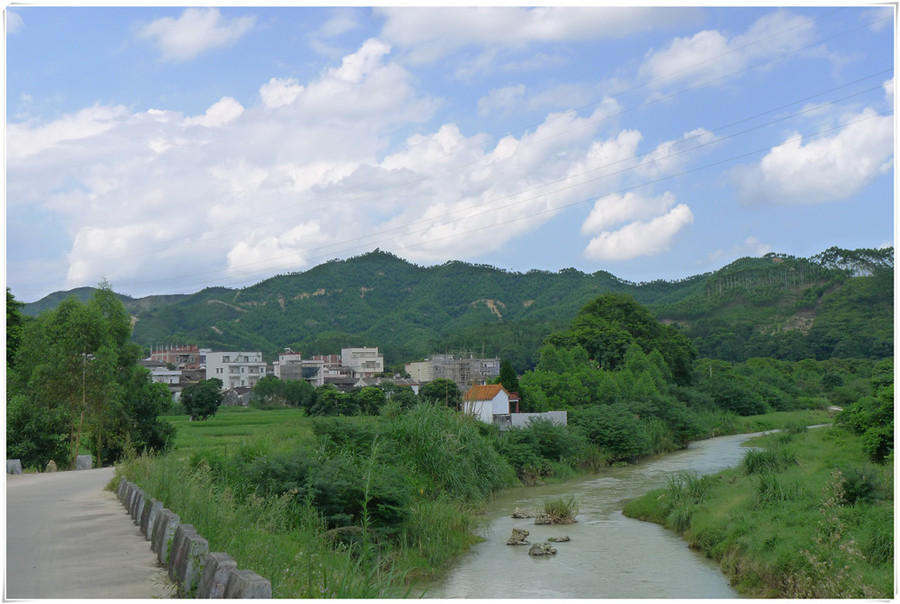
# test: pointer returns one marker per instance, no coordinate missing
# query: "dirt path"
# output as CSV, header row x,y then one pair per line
x,y
67,537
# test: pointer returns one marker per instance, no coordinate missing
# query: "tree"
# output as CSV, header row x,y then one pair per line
x,y
508,377
13,328
607,327
202,400
77,369
442,391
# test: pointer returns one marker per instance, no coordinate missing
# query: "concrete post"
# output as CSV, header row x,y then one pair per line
x,y
136,498
148,517
123,485
166,535
84,462
215,574
13,466
189,564
179,547
247,584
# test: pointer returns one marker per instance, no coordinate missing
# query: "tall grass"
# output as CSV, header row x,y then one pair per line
x,y
786,522
561,510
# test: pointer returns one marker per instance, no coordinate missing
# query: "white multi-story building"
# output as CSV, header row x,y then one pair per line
x,y
364,362
235,368
288,357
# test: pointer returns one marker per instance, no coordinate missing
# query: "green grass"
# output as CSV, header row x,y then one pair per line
x,y
813,521
561,510
231,427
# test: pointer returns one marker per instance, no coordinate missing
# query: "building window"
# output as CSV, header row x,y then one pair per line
x,y
226,359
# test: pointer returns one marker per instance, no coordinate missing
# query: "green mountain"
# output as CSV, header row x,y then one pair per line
x,y
839,303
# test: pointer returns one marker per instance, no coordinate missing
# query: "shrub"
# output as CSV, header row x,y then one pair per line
x,y
613,428
445,453
860,485
773,459
353,433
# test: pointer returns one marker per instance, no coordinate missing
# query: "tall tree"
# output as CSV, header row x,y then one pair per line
x,y
508,377
442,391
77,366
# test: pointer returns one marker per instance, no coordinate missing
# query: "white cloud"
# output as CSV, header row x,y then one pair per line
x,y
501,99
889,91
615,209
194,32
823,169
220,113
431,33
640,238
14,22
26,139
278,92
751,246
344,20
710,54
670,156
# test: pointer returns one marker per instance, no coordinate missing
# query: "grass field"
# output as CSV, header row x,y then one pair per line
x,y
232,427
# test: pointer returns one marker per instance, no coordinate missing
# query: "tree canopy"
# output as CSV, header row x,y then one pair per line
x,y
77,382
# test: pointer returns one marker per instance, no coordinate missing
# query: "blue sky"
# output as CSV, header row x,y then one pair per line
x,y
168,149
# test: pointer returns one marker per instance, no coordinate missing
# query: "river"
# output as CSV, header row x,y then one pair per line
x,y
609,555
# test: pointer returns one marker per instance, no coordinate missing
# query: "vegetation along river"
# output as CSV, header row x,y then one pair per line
x,y
609,555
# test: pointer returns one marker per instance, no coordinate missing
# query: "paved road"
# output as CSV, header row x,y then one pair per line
x,y
67,537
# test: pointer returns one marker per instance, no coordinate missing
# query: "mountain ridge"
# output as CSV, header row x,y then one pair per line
x,y
409,311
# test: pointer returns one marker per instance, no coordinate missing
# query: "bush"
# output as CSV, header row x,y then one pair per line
x,y
446,454
860,485
613,428
561,510
773,459
352,433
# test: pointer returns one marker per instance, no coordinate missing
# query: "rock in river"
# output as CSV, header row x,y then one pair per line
x,y
542,549
518,537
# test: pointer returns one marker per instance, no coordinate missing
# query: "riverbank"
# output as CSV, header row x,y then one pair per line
x,y
318,505
809,516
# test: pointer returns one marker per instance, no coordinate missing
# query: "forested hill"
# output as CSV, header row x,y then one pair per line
x,y
838,303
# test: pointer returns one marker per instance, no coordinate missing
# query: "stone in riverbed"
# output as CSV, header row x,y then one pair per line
x,y
522,513
542,549
559,539
518,537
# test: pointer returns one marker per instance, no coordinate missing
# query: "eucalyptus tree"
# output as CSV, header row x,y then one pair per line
x,y
76,365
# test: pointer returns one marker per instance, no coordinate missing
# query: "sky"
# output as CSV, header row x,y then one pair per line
x,y
169,149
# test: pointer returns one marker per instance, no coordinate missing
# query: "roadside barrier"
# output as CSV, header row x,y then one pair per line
x,y
195,570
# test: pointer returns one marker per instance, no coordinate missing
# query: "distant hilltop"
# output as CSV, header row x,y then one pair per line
x,y
836,303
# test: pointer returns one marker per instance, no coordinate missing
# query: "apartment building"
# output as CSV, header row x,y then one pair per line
x,y
363,362
235,368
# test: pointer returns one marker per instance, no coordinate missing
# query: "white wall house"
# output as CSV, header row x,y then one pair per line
x,y
169,377
364,362
235,368
285,358
484,402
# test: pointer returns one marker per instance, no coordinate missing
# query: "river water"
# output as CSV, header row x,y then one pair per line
x,y
609,555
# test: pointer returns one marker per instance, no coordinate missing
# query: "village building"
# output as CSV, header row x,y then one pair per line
x,y
363,362
464,371
491,404
181,357
235,368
